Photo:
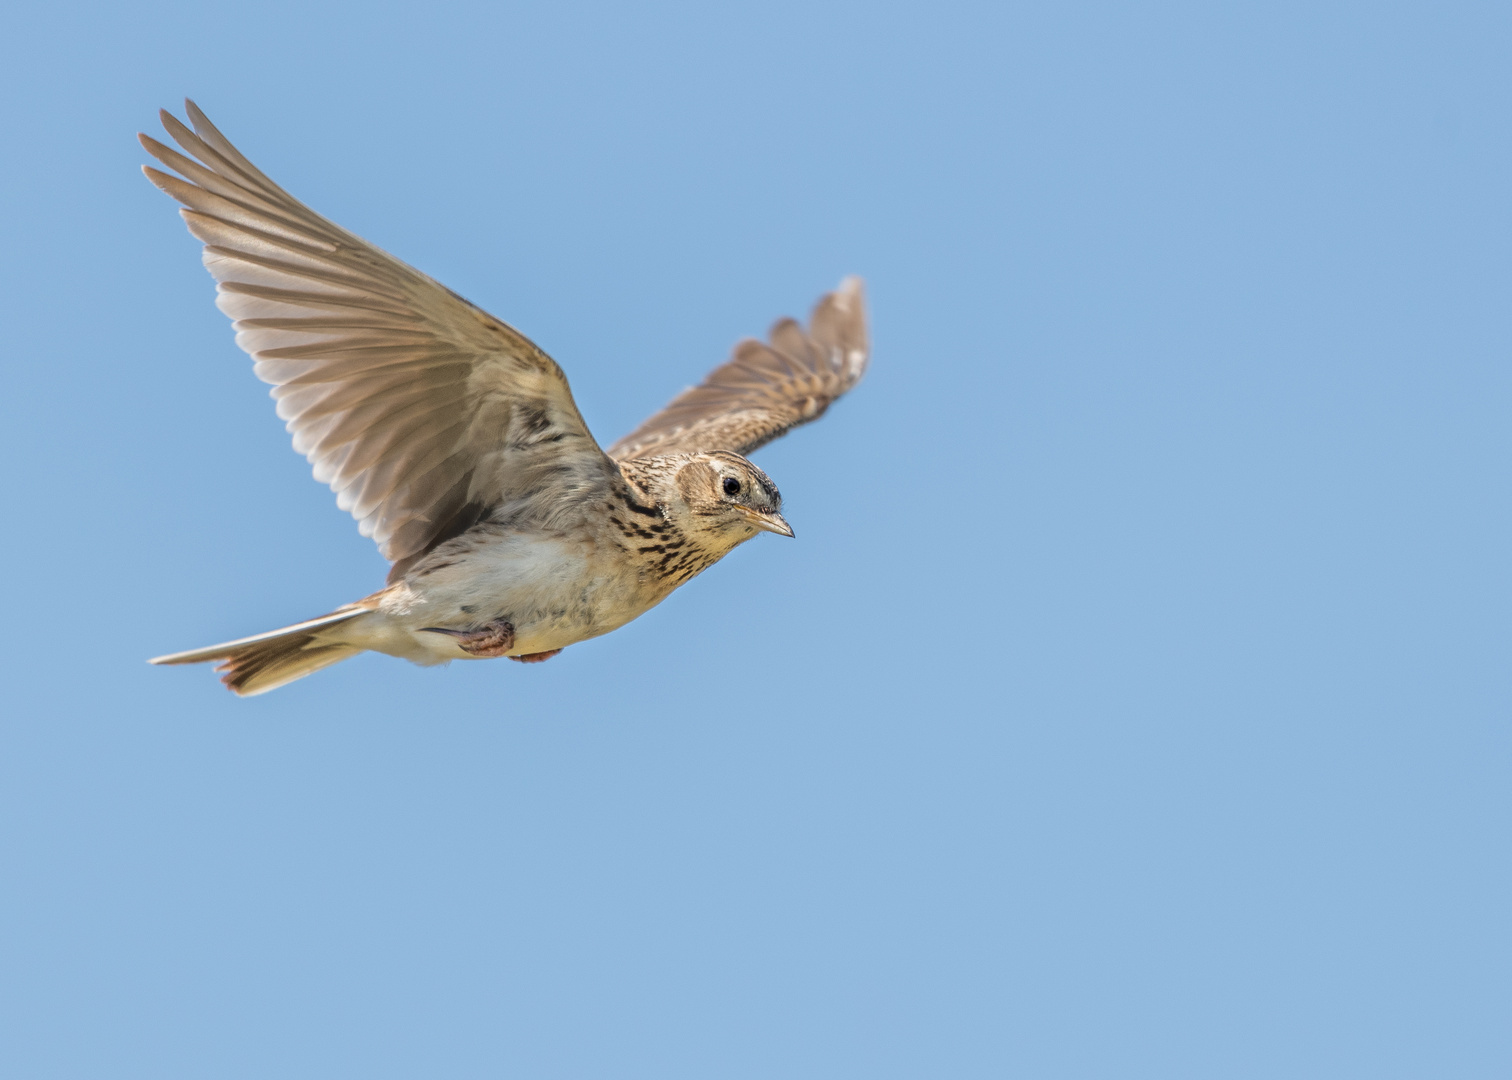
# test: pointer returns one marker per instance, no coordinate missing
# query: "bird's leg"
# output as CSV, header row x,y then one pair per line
x,y
535,657
491,639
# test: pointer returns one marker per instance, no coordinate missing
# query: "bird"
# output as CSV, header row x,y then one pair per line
x,y
454,441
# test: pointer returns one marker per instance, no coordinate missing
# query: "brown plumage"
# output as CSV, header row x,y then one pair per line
x,y
766,388
455,443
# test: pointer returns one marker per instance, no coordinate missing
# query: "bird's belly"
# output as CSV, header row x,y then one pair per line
x,y
553,592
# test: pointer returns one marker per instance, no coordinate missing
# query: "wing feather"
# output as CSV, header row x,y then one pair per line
x,y
417,408
764,389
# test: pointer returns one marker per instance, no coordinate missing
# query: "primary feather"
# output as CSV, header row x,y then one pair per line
x,y
416,407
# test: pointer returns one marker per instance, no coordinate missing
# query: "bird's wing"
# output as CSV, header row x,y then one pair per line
x,y
420,410
764,389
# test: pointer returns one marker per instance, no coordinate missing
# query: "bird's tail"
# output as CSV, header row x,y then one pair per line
x,y
263,662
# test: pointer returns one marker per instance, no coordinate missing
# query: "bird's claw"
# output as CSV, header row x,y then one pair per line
x,y
535,657
491,639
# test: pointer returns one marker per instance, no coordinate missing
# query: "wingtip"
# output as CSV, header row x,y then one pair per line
x,y
197,118
849,298
850,295
157,178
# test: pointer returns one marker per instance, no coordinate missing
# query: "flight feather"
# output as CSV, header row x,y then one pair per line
x,y
419,409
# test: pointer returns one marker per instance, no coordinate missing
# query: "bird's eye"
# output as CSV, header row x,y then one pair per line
x,y
731,486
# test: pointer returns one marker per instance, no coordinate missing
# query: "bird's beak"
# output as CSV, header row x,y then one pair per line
x,y
769,520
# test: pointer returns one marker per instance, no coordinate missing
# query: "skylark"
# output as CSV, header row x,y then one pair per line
x,y
454,440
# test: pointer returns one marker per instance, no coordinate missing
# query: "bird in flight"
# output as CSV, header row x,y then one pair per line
x,y
455,443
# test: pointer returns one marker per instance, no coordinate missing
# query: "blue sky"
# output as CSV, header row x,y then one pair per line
x,y
1133,702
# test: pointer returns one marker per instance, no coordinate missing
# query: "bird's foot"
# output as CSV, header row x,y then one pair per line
x,y
491,639
535,657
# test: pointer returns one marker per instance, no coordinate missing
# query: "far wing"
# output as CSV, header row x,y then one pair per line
x,y
764,390
420,410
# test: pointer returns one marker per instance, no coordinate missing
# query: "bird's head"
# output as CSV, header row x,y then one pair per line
x,y
727,500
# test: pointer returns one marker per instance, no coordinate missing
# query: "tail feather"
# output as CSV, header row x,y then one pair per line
x,y
263,662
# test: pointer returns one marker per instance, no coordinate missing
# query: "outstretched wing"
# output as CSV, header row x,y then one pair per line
x,y
420,410
764,390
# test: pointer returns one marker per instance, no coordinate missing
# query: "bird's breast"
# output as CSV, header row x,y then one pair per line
x,y
554,590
